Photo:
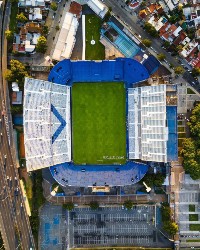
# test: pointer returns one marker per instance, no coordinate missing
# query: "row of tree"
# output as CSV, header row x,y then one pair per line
x,y
191,146
168,225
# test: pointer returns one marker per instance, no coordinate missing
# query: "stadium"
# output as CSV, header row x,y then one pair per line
x,y
89,123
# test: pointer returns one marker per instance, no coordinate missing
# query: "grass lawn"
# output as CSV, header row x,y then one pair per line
x,y
92,30
122,248
180,122
99,123
193,217
180,142
192,208
192,240
181,129
181,135
13,21
194,227
190,91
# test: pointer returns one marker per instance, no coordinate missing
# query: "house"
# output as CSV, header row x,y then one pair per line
x,y
133,4
32,3
35,14
151,9
25,41
158,23
171,32
188,48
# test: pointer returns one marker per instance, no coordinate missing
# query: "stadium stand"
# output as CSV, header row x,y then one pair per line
x,y
66,39
122,69
148,134
47,129
89,175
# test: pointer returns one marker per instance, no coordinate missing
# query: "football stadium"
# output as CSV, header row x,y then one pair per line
x,y
89,123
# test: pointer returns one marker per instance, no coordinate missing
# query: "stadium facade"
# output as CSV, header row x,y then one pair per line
x,y
151,122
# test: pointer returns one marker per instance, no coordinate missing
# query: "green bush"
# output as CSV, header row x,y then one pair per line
x,y
94,205
69,206
128,204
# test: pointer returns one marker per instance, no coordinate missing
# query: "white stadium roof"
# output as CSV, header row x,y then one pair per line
x,y
47,129
66,39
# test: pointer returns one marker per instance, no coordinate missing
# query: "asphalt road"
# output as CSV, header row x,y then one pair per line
x,y
14,221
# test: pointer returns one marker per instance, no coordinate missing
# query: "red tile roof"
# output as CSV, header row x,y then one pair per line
x,y
75,8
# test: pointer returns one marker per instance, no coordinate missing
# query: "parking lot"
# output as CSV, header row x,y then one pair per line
x,y
113,226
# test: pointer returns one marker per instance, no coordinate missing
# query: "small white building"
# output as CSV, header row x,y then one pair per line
x,y
66,39
98,7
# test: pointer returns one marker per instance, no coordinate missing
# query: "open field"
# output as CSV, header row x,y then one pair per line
x,y
99,123
93,26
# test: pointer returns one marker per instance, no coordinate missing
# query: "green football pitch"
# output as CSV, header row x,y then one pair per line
x,y
99,123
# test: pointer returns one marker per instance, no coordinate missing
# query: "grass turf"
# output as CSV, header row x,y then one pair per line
x,y
194,227
193,217
93,26
191,208
99,123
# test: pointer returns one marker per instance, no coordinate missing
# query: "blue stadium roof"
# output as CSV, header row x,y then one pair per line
x,y
151,64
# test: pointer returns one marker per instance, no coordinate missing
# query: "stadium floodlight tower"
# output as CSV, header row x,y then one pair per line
x,y
80,123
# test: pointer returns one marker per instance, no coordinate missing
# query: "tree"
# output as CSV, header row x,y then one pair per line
x,y
94,205
146,42
9,35
150,29
41,45
166,212
161,57
148,179
179,47
170,227
179,70
57,27
128,204
158,179
21,18
166,44
69,206
45,30
17,71
196,71
54,6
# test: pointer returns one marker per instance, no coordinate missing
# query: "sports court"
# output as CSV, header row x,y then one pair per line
x,y
120,40
99,123
53,228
